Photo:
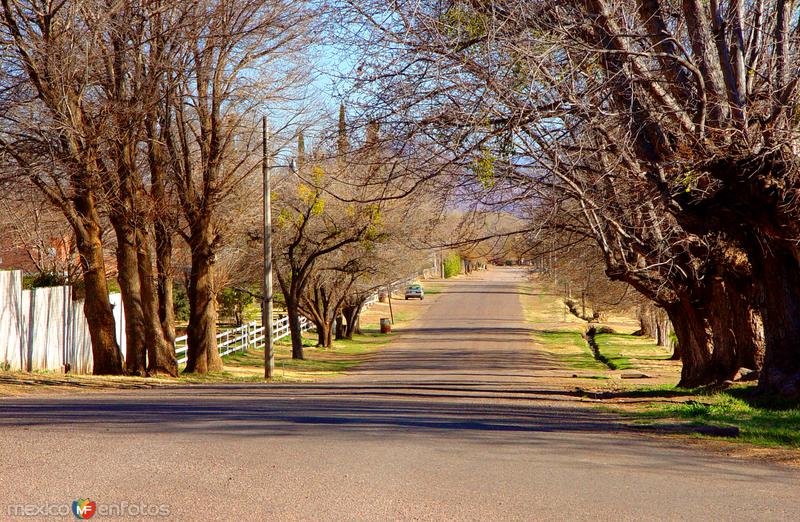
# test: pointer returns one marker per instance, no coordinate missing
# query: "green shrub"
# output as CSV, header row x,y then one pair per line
x,y
180,302
43,279
452,265
232,303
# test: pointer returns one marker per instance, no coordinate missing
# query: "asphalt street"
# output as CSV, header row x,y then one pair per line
x,y
450,422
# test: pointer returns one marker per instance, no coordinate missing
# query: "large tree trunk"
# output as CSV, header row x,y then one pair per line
x,y
107,359
295,330
322,332
329,334
776,272
736,329
694,339
648,326
663,328
340,328
166,302
129,284
160,352
756,206
351,314
156,141
203,356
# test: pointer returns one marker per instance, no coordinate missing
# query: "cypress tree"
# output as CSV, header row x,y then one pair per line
x,y
301,149
343,143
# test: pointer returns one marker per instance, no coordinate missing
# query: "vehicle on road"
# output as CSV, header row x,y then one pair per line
x,y
415,291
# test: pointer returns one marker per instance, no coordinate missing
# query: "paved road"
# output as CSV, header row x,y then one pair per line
x,y
450,423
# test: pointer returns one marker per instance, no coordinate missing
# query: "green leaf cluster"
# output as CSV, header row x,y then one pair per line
x,y
484,168
232,302
462,21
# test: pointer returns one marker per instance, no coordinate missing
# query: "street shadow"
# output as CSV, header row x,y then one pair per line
x,y
465,413
367,409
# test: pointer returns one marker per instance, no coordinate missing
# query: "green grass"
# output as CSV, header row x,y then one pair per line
x,y
309,340
659,391
761,423
568,347
562,340
402,317
612,352
622,351
252,312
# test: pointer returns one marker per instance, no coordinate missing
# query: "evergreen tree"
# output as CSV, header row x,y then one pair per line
x,y
301,150
344,144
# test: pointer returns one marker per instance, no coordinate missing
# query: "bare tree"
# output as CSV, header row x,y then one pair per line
x,y
53,132
238,57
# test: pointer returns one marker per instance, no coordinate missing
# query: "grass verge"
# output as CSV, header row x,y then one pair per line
x,y
628,352
557,334
761,422
569,348
433,288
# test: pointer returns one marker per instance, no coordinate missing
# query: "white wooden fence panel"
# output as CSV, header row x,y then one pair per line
x,y
44,329
25,331
11,350
50,316
119,320
79,355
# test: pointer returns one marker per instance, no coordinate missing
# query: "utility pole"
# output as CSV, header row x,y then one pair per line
x,y
389,295
266,303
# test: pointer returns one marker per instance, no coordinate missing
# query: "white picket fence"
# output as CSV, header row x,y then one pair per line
x,y
243,338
